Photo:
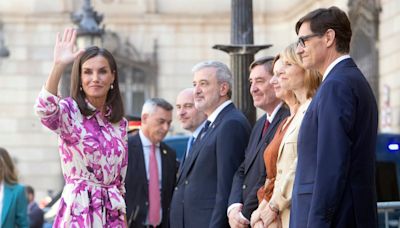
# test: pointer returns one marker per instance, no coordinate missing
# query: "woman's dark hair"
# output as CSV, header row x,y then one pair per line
x,y
113,100
332,18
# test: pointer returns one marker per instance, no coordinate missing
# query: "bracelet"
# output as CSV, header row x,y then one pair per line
x,y
273,207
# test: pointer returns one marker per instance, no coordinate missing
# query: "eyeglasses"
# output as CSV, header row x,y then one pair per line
x,y
302,39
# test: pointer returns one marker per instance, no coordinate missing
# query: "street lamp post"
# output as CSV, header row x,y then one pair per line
x,y
242,52
88,21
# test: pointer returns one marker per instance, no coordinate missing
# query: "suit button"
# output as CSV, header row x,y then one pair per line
x,y
176,188
186,182
244,186
147,203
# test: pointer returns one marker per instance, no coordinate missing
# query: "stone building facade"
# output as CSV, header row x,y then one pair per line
x,y
156,42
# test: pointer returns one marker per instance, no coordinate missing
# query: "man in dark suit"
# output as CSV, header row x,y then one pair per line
x,y
201,196
335,177
190,118
251,174
151,173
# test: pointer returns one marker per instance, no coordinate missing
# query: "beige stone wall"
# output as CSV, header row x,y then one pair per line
x,y
389,48
22,74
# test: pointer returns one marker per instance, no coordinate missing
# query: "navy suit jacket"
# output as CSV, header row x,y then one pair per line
x,y
136,182
15,207
36,215
201,196
251,174
335,177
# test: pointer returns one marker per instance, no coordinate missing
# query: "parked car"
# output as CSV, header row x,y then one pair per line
x,y
387,179
388,167
178,143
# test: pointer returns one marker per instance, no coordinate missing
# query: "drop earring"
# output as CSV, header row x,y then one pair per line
x,y
112,86
80,88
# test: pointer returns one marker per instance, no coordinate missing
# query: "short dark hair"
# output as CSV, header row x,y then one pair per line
x,y
29,190
113,100
265,61
334,18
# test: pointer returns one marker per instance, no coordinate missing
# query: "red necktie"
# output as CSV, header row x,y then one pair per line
x,y
266,125
154,189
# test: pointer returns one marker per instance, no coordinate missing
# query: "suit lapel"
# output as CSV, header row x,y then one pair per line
x,y
258,143
275,122
164,168
8,197
294,124
267,137
344,63
197,147
139,154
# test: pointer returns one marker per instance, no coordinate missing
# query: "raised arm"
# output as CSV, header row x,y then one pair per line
x,y
64,54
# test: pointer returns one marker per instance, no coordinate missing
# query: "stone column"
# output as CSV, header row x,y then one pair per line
x,y
242,53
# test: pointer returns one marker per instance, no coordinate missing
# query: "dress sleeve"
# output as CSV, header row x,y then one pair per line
x,y
124,164
55,113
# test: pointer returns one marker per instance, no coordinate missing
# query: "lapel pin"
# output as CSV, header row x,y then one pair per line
x,y
164,151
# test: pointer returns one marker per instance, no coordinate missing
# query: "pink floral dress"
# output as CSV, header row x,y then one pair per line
x,y
94,161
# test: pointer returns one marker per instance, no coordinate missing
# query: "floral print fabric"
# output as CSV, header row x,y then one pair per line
x,y
94,160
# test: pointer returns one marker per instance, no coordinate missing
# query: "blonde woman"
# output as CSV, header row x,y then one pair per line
x,y
291,76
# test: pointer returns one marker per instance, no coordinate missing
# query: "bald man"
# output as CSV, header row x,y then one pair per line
x,y
190,118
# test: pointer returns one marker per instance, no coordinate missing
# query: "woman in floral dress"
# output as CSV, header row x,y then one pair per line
x,y
92,135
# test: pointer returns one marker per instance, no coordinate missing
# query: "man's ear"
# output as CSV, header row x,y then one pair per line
x,y
223,89
330,36
144,118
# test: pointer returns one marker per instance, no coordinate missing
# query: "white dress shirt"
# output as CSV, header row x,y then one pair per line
x,y
194,136
216,112
333,64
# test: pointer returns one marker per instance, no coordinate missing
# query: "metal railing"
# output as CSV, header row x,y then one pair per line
x,y
389,207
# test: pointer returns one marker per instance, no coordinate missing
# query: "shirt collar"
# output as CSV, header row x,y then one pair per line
x,y
333,64
214,115
95,111
145,141
271,117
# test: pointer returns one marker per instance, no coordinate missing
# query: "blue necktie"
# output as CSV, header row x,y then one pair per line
x,y
205,128
189,145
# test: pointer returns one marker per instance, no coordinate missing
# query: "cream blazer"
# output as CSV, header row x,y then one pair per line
x,y
286,166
